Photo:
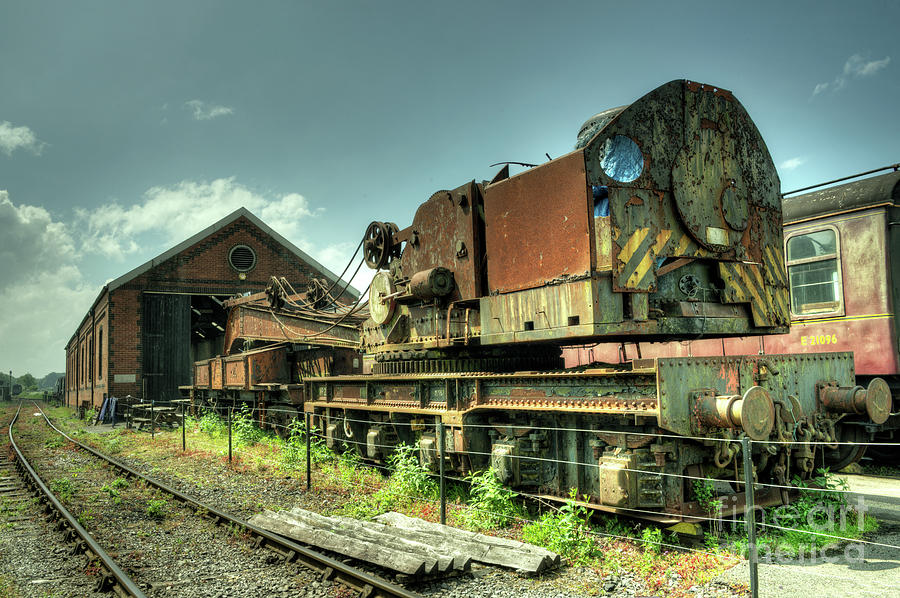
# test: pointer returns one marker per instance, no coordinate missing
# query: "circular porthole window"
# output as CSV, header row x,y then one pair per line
x,y
621,159
242,258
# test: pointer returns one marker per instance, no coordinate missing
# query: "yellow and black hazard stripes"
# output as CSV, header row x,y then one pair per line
x,y
776,277
744,284
773,260
635,260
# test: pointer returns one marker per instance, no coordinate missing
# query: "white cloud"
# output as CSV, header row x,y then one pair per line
x,y
206,111
855,67
31,242
13,138
45,288
792,164
336,256
179,211
42,292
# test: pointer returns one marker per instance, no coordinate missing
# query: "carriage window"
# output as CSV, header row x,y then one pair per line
x,y
813,265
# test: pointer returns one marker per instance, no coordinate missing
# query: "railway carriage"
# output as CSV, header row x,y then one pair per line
x,y
840,245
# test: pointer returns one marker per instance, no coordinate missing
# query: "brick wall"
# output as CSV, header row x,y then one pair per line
x,y
200,269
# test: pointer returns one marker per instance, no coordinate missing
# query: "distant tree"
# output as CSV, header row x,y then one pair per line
x,y
28,382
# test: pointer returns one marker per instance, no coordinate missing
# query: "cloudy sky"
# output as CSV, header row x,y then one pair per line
x,y
127,127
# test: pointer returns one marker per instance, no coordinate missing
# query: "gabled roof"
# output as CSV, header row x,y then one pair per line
x,y
214,228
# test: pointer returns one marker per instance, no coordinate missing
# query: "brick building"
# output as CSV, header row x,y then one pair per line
x,y
149,325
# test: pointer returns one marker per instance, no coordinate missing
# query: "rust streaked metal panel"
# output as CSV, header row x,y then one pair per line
x,y
538,225
267,367
216,376
235,372
201,374
446,235
251,322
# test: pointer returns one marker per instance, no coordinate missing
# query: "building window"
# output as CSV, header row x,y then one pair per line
x,y
814,270
242,258
100,354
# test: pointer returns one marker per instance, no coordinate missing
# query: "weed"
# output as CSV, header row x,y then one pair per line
x,y
210,423
243,428
62,487
156,508
565,531
86,516
348,465
491,503
113,493
55,442
824,510
366,506
119,483
705,491
651,537
7,588
293,448
409,477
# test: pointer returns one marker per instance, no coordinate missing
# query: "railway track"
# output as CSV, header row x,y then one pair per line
x,y
38,557
181,554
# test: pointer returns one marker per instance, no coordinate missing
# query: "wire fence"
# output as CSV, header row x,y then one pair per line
x,y
819,503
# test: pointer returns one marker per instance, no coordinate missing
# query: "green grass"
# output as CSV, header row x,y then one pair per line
x,y
815,511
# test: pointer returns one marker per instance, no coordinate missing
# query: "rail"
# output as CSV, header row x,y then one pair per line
x,y
367,585
114,574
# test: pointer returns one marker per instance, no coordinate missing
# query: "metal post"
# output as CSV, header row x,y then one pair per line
x,y
750,516
229,433
152,422
441,459
183,425
308,453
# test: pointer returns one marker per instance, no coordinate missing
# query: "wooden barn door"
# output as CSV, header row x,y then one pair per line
x,y
166,344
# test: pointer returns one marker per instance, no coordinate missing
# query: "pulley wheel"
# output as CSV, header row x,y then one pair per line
x,y
377,245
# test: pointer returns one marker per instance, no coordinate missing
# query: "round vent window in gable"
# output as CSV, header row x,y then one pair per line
x,y
242,258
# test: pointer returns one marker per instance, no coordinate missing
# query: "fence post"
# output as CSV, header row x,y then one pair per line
x,y
152,422
183,433
750,517
441,459
230,409
308,455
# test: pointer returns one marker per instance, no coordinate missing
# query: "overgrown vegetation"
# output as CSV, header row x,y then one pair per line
x,y
583,537
565,531
822,507
491,504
